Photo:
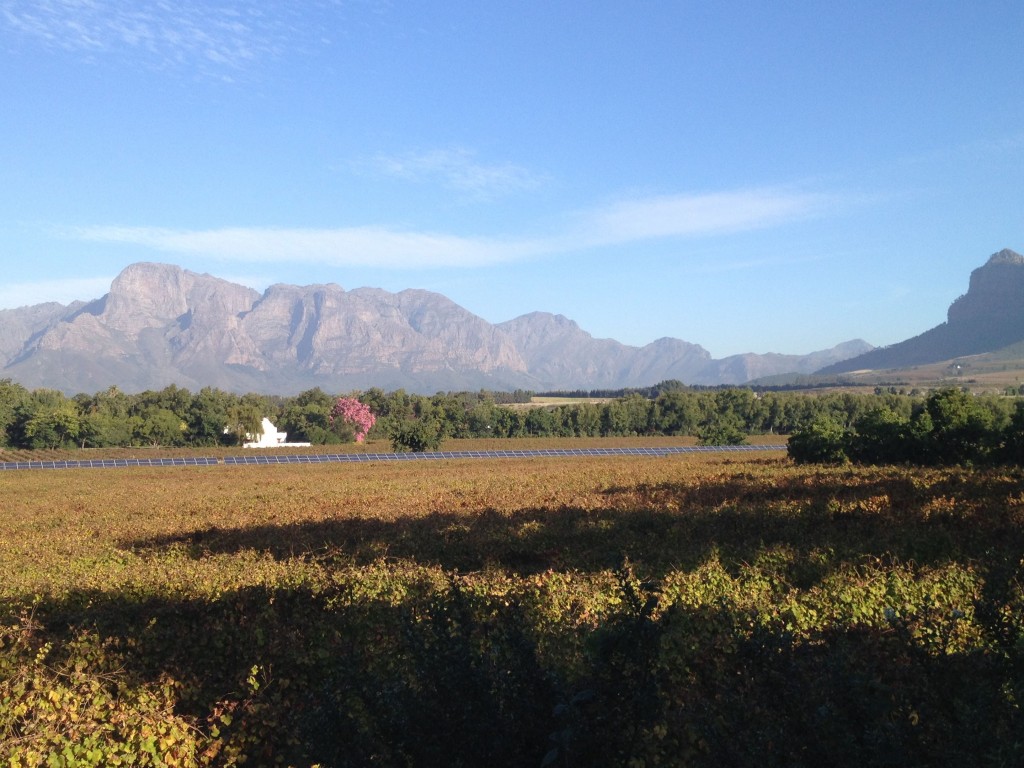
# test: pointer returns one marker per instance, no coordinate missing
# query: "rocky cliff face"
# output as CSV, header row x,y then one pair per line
x,y
161,325
988,317
994,302
328,331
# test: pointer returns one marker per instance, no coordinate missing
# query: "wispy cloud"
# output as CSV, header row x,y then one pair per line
x,y
63,291
354,246
460,170
211,37
698,215
679,216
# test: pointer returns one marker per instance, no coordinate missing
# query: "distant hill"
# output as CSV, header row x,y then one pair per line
x,y
989,372
162,325
988,317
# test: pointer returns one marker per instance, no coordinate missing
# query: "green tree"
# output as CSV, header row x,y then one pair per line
x,y
48,420
162,426
208,417
630,415
483,417
724,417
541,422
106,419
509,422
883,436
677,413
824,441
1013,436
415,435
725,429
451,410
12,397
172,398
309,420
739,407
962,430
102,429
798,411
584,420
245,421
398,404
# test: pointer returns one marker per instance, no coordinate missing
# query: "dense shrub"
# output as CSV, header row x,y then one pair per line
x,y
415,435
822,442
951,427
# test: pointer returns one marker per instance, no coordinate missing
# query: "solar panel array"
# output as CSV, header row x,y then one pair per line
x,y
328,458
197,461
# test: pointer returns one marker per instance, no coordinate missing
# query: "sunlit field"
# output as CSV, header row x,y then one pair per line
x,y
683,610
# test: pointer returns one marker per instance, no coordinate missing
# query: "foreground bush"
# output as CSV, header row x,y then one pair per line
x,y
950,427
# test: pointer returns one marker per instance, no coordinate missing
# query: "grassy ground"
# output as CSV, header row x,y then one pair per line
x,y
991,372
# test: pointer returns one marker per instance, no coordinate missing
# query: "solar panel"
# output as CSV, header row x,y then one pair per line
x,y
266,459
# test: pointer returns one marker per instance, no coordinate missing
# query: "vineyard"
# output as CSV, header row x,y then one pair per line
x,y
696,611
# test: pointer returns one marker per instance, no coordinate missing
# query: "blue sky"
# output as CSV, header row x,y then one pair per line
x,y
748,176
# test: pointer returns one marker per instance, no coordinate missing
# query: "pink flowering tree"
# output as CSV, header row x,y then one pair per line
x,y
350,414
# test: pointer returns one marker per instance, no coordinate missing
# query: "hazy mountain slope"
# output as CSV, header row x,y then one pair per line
x,y
19,327
160,324
737,369
562,355
988,317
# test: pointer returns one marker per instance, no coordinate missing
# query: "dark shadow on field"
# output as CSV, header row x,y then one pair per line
x,y
823,521
444,676
307,677
387,667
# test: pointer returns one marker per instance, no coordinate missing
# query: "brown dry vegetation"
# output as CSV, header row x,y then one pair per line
x,y
686,610
61,526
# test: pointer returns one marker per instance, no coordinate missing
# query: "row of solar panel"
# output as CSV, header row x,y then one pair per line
x,y
510,454
365,457
110,463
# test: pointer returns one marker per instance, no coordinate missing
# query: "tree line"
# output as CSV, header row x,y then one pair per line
x,y
948,427
174,416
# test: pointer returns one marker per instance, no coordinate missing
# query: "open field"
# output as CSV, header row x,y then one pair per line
x,y
705,610
989,372
538,400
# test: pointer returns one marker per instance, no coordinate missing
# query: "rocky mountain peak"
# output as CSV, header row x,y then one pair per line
x,y
541,329
151,293
148,295
161,324
1005,256
994,293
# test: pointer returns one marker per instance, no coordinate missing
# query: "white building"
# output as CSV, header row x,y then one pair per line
x,y
271,438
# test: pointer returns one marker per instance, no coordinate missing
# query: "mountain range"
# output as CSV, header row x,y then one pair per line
x,y
989,317
162,325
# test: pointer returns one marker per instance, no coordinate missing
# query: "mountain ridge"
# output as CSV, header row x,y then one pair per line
x,y
988,317
161,324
